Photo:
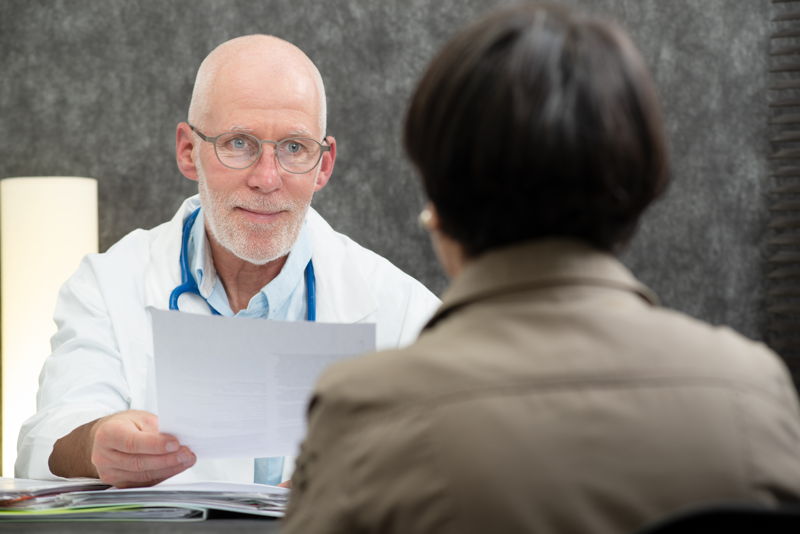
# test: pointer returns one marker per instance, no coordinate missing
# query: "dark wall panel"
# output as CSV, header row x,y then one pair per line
x,y
95,88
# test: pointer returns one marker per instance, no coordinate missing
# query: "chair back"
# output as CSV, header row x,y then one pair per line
x,y
730,519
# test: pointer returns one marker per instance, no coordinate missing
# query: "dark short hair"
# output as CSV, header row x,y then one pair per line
x,y
538,122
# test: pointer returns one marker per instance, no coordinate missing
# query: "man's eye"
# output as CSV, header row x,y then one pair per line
x,y
238,143
293,147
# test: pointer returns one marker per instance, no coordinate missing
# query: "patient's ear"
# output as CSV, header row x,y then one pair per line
x,y
184,150
429,218
449,252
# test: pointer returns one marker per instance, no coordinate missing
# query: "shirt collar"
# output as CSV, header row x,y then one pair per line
x,y
201,263
292,276
272,297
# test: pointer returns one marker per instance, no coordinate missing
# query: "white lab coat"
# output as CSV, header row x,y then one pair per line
x,y
102,360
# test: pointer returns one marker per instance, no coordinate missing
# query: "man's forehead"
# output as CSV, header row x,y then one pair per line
x,y
284,130
248,93
280,78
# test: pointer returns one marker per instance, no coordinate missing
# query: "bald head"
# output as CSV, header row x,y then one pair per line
x,y
260,65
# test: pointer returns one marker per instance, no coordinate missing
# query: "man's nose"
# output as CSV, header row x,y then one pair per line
x,y
265,173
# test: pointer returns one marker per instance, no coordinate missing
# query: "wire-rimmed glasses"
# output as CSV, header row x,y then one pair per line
x,y
240,150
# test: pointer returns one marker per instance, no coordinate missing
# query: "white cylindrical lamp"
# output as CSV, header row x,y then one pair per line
x,y
47,225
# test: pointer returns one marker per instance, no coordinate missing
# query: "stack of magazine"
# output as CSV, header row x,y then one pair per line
x,y
88,499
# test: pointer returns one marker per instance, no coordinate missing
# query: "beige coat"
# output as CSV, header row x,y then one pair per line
x,y
549,394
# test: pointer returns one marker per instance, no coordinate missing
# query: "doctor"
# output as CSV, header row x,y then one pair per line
x,y
249,246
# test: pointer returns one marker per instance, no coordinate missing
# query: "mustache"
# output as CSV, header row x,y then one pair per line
x,y
261,205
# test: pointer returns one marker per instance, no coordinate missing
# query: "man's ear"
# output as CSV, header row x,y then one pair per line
x,y
184,150
326,165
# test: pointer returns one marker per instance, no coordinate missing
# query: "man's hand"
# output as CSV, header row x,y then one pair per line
x,y
124,449
129,451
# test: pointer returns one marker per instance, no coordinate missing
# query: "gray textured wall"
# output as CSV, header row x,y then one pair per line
x,y
95,88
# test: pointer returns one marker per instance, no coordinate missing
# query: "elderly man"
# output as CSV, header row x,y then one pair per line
x,y
249,246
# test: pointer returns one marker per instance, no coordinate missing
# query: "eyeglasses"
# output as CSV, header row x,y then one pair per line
x,y
239,150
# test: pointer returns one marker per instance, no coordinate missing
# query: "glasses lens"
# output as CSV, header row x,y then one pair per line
x,y
298,154
237,150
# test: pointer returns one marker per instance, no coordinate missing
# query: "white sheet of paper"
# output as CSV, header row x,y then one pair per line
x,y
229,387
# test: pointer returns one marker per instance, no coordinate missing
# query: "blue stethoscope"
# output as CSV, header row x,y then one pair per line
x,y
189,285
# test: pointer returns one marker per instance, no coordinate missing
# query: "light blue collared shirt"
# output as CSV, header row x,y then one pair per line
x,y
284,298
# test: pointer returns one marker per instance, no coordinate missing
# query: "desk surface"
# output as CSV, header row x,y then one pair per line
x,y
261,526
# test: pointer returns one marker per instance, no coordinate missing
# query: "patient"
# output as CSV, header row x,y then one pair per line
x,y
550,393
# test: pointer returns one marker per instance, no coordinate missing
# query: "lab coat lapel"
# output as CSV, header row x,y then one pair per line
x,y
343,294
164,276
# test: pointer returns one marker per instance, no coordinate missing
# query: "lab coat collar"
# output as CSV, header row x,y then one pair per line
x,y
163,276
538,264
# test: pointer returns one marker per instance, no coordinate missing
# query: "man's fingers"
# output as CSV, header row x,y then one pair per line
x,y
144,462
122,435
145,421
128,450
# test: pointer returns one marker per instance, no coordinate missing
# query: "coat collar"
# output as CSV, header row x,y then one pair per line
x,y
163,269
538,264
